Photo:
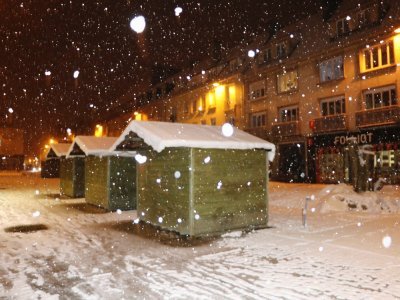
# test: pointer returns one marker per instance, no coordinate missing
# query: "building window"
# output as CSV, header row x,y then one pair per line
x,y
194,106
362,19
265,56
257,90
331,69
234,64
287,81
342,26
281,50
186,107
158,92
333,106
378,56
258,119
201,104
381,97
289,114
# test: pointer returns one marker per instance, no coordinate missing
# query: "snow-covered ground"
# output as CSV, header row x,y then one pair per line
x,y
350,249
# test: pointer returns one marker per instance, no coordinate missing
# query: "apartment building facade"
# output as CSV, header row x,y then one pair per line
x,y
314,88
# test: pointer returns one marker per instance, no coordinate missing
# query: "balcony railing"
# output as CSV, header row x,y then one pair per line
x,y
330,123
286,129
378,116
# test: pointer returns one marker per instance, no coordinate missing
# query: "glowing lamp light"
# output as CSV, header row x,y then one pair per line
x,y
10,110
215,84
138,24
98,131
47,73
76,74
397,30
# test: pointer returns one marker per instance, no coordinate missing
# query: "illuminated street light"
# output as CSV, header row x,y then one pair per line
x,y
76,74
138,24
98,131
47,73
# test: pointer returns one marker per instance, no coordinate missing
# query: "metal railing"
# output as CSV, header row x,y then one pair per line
x,y
286,128
330,123
378,116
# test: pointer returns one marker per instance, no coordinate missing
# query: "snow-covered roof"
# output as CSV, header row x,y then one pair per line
x,y
92,145
60,149
161,135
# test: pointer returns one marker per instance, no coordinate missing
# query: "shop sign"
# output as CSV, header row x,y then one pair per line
x,y
362,138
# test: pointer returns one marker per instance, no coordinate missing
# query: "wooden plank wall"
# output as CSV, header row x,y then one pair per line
x,y
163,189
96,181
122,183
229,190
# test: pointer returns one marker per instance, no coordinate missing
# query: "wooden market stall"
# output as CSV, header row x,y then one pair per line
x,y
195,180
50,167
109,178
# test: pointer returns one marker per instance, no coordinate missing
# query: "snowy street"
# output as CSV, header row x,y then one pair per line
x,y
70,250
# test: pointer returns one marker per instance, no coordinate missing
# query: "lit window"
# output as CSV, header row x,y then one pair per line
x,y
331,69
258,119
289,114
287,81
377,57
257,90
333,106
380,97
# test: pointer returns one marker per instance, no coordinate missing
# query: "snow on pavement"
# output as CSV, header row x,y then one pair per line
x,y
349,249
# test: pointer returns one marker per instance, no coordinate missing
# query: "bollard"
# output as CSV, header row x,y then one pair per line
x,y
308,198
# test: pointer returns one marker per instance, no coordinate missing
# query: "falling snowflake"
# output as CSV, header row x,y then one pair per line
x,y
251,53
227,129
178,11
387,241
138,24
141,159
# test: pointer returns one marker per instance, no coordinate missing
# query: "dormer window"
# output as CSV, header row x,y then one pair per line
x,y
265,56
342,26
362,19
281,50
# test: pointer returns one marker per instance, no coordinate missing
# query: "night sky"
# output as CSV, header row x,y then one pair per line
x,y
94,38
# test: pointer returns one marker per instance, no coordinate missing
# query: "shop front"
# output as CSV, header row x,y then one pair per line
x,y
377,149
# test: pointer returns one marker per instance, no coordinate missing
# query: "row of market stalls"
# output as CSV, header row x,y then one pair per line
x,y
192,179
